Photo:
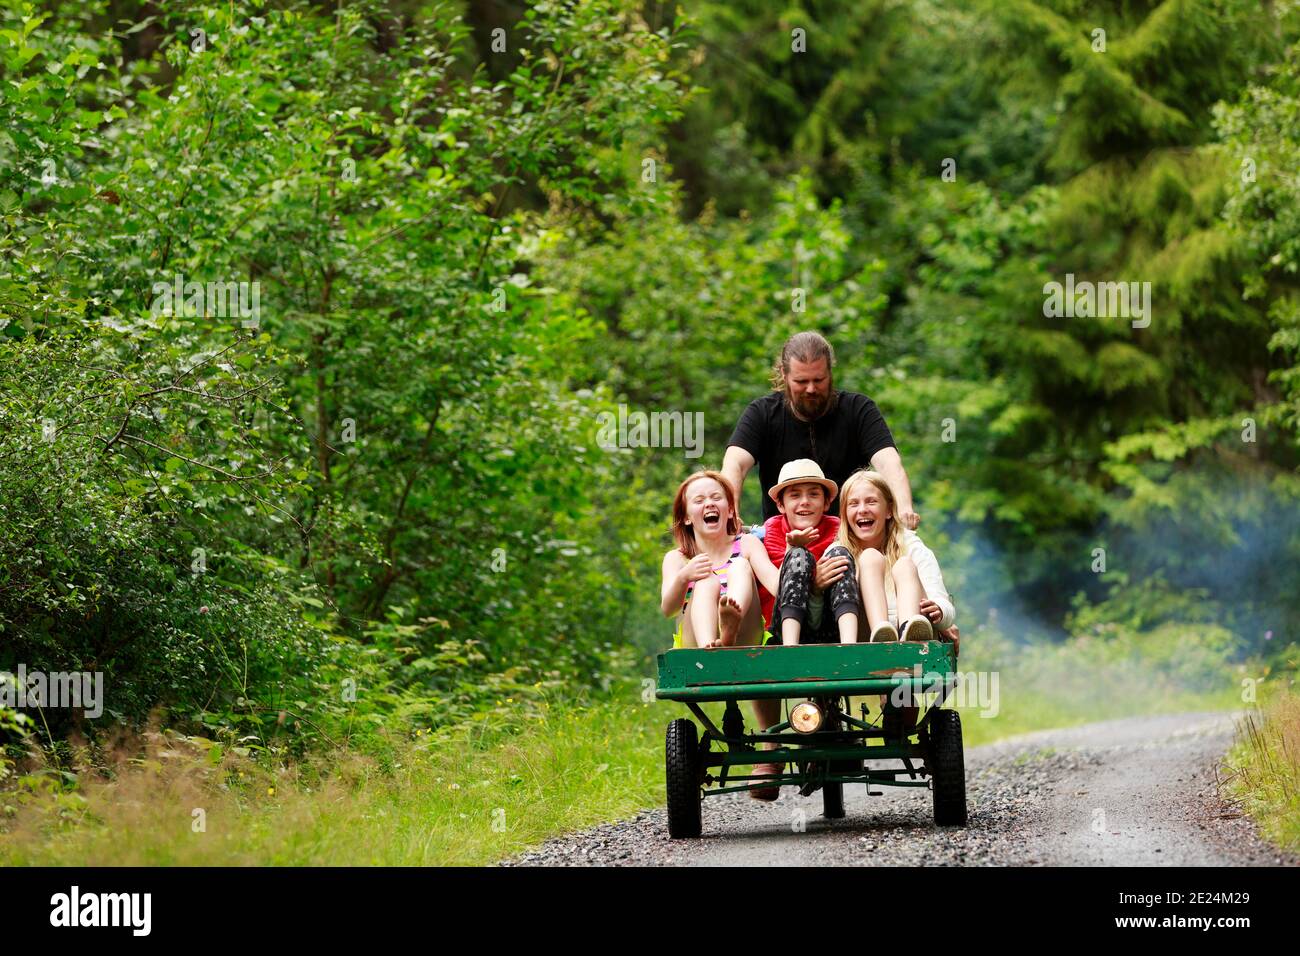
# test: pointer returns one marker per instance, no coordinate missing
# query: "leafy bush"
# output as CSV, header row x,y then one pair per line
x,y
231,517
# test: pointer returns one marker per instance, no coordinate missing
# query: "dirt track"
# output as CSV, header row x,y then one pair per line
x,y
1138,791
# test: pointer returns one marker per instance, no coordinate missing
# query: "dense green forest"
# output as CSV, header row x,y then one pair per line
x,y
363,484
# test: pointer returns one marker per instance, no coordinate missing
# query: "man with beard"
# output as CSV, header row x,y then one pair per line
x,y
805,416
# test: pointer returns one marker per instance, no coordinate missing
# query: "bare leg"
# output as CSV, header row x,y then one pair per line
x,y
871,578
751,628
848,625
704,611
766,714
790,629
907,585
733,609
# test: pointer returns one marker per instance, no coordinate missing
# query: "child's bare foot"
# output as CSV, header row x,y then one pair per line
x,y
729,618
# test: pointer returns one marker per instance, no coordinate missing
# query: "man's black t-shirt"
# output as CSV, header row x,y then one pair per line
x,y
841,441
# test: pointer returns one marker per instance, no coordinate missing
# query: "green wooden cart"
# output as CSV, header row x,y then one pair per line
x,y
819,744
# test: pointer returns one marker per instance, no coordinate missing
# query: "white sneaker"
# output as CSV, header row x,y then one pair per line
x,y
918,629
884,631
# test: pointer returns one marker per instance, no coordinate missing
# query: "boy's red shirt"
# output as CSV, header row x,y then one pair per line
x,y
774,531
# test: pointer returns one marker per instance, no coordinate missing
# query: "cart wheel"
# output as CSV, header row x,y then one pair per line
x,y
683,772
947,764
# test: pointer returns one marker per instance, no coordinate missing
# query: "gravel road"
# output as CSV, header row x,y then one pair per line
x,y
1137,791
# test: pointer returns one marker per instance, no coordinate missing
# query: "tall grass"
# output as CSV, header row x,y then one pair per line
x,y
1264,769
449,800
480,794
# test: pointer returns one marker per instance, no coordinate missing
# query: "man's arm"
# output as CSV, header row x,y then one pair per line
x,y
736,464
888,462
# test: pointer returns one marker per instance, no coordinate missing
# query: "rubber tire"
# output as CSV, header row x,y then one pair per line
x,y
947,765
682,774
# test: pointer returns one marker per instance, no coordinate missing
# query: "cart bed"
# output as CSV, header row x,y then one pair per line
x,y
806,670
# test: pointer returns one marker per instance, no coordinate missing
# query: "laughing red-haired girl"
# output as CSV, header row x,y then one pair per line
x,y
707,579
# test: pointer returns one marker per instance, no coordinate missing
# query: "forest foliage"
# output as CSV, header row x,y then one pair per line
x,y
378,493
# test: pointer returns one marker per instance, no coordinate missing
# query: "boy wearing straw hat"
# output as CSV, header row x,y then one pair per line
x,y
816,599
811,593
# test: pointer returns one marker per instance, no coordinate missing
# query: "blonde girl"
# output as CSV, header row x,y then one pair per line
x,y
899,576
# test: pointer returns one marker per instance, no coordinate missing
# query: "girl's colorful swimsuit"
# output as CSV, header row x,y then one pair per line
x,y
722,573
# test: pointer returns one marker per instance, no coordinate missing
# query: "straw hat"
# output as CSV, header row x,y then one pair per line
x,y
799,471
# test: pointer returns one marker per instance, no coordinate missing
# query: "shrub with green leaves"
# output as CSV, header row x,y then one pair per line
x,y
219,508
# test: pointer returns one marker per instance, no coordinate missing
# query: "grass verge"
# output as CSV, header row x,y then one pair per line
x,y
1264,769
465,799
